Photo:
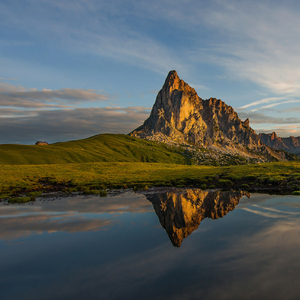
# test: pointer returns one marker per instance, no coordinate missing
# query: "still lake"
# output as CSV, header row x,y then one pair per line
x,y
159,244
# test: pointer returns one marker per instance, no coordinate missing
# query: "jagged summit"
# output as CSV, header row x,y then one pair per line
x,y
290,144
179,115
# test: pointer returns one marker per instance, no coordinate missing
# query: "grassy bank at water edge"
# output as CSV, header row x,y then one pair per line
x,y
16,180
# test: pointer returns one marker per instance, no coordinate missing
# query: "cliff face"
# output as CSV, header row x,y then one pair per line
x,y
179,115
290,144
180,212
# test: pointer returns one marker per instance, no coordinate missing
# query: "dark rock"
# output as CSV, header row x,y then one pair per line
x,y
41,143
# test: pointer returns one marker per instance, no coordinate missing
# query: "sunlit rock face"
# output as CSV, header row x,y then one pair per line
x,y
181,211
180,115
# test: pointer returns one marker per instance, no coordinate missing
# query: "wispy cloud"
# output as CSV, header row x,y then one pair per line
x,y
262,101
276,104
8,79
17,96
256,50
290,109
261,118
101,29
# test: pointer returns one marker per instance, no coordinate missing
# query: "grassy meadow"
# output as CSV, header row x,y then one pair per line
x,y
117,161
15,180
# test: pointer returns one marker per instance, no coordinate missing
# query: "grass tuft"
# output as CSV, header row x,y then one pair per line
x,y
21,200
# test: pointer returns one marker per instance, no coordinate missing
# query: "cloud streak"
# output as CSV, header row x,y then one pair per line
x,y
17,96
261,118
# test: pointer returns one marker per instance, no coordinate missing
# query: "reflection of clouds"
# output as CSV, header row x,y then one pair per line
x,y
261,213
267,211
259,264
13,227
271,258
76,214
246,257
279,211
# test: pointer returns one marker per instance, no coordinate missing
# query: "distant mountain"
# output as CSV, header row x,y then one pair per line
x,y
180,117
290,144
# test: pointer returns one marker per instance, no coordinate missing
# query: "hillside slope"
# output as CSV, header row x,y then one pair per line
x,y
99,148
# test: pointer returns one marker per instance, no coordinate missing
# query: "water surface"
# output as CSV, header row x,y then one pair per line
x,y
176,244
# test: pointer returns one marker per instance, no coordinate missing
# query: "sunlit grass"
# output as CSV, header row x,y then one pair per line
x,y
102,175
99,148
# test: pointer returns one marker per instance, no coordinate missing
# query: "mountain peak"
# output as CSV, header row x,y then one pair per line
x,y
180,116
172,74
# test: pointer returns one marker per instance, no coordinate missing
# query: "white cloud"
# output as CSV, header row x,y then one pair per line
x,y
276,104
265,100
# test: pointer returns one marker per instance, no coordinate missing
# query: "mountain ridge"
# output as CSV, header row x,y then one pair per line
x,y
180,117
290,144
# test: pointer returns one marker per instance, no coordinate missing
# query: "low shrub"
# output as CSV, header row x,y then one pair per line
x,y
92,192
224,182
21,200
297,193
245,186
203,186
251,177
4,196
34,194
103,193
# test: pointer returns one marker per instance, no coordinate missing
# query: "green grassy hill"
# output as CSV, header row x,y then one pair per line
x,y
99,148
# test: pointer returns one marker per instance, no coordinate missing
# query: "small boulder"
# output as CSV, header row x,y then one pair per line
x,y
41,143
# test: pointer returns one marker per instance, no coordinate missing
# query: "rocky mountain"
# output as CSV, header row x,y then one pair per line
x,y
181,211
208,130
290,144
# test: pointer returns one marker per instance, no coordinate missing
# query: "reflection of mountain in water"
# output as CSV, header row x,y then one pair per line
x,y
180,212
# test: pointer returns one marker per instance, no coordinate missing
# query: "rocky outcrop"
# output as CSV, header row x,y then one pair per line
x,y
290,144
41,143
180,116
181,211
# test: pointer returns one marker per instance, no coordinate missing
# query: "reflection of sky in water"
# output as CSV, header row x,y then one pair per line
x,y
68,215
99,250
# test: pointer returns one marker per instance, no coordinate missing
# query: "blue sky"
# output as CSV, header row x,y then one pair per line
x,y
74,68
